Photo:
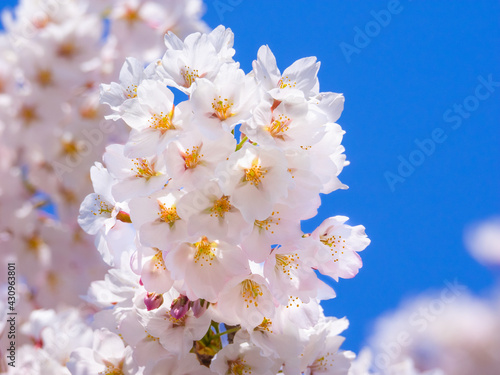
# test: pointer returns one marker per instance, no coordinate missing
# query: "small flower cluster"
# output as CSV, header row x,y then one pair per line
x,y
199,214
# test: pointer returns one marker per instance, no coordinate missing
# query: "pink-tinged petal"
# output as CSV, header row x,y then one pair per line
x,y
155,276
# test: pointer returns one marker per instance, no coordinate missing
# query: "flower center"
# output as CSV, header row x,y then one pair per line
x,y
41,21
189,75
222,108
144,169
168,214
163,122
192,157
131,15
34,243
238,367
44,77
221,206
52,280
112,370
287,263
255,173
67,50
28,114
250,291
323,363
70,147
131,91
267,223
293,302
265,326
103,207
181,322
335,243
285,82
279,126
89,112
159,263
204,251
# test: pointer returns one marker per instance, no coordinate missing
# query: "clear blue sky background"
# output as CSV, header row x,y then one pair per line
x,y
398,88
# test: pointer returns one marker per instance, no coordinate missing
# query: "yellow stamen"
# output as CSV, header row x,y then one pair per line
x,y
189,75
131,91
28,114
268,223
335,243
168,214
112,370
265,326
44,77
255,173
238,367
192,157
251,291
285,82
159,262
279,126
34,243
204,251
131,15
222,108
89,112
67,50
103,207
221,206
287,263
144,169
70,147
163,122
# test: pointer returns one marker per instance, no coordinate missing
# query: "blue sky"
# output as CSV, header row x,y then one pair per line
x,y
424,73
401,83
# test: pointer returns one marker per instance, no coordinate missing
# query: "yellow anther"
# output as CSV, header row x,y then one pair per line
x,y
168,214
163,122
221,206
255,173
192,157
222,108
144,169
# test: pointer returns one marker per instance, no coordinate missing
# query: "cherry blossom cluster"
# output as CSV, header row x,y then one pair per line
x,y
54,54
199,215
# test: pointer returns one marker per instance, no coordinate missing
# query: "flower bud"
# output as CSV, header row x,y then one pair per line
x,y
153,301
199,307
179,307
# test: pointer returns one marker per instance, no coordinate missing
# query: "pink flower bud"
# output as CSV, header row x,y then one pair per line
x,y
199,307
179,307
153,301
